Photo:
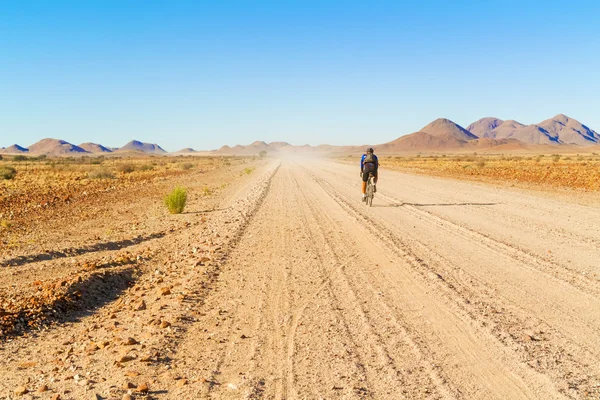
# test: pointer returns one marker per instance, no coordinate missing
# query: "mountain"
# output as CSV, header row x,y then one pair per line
x,y
441,134
252,149
570,131
443,127
278,145
187,150
136,145
95,148
554,131
55,147
14,149
483,126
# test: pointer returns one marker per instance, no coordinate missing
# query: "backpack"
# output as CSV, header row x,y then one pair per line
x,y
370,158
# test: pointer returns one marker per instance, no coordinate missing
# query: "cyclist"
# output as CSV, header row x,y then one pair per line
x,y
368,164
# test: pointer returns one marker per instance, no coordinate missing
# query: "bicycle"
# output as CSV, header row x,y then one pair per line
x,y
370,191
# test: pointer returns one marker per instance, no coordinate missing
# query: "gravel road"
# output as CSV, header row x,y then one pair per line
x,y
443,289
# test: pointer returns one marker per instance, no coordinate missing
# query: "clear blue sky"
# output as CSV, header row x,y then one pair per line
x,y
207,73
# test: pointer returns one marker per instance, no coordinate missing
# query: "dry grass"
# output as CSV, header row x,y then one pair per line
x,y
563,171
42,183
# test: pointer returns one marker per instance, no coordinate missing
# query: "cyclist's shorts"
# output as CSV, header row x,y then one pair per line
x,y
369,167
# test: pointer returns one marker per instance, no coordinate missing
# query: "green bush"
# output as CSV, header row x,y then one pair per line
x,y
175,201
19,158
101,174
7,172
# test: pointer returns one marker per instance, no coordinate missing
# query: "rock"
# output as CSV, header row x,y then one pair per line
x,y
165,324
92,347
142,388
125,358
21,390
127,397
132,373
43,388
141,305
130,341
128,385
165,291
181,382
103,344
56,397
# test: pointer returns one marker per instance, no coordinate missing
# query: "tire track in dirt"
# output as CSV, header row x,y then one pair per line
x,y
402,250
584,282
410,376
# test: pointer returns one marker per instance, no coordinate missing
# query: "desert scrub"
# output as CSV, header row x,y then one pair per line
x,y
206,191
101,174
176,200
248,171
126,168
7,172
145,167
186,166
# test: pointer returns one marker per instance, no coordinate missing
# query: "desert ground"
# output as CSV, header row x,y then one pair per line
x,y
278,283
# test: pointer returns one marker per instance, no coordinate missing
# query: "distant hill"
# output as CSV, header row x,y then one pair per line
x,y
441,134
444,128
187,150
249,150
570,131
95,148
136,145
483,126
14,149
278,145
55,147
554,131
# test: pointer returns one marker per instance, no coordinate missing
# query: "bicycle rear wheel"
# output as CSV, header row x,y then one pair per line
x,y
370,193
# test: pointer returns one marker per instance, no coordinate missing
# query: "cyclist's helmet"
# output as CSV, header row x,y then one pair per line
x,y
370,150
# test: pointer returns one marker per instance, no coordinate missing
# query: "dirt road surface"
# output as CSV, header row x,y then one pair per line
x,y
293,289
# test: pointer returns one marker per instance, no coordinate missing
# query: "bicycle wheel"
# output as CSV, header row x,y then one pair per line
x,y
370,193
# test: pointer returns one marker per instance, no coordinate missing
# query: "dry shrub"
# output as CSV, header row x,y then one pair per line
x,y
176,200
186,166
7,172
145,167
126,168
101,174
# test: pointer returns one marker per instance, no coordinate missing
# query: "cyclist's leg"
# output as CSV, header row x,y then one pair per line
x,y
365,178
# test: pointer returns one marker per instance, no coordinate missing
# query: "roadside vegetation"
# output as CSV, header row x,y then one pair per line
x,y
573,171
30,185
176,200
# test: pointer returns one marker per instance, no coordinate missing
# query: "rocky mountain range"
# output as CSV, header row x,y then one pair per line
x,y
57,147
440,135
558,130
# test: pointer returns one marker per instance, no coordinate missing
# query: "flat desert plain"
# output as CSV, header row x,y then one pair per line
x,y
278,283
